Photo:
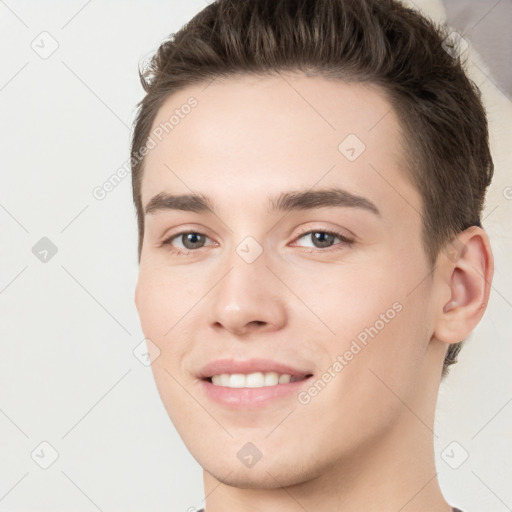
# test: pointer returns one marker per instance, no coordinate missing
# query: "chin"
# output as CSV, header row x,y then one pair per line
x,y
263,475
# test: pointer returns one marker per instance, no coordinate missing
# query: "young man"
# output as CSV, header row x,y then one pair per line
x,y
309,178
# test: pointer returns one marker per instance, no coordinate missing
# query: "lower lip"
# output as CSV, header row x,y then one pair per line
x,y
251,398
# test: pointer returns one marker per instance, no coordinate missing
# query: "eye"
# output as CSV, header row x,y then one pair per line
x,y
190,240
324,239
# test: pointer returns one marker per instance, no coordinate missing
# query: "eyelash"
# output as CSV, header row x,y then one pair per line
x,y
343,239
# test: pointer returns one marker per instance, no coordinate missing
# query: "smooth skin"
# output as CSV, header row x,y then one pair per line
x,y
365,441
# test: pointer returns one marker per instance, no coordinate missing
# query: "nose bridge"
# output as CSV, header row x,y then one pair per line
x,y
247,294
247,280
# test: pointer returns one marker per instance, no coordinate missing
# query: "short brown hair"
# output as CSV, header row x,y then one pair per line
x,y
381,42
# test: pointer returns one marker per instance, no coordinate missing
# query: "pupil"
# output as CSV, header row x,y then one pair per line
x,y
324,238
192,238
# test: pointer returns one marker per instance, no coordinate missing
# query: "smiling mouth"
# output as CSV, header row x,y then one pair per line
x,y
254,380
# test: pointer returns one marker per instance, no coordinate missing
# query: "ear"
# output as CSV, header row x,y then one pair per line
x,y
467,270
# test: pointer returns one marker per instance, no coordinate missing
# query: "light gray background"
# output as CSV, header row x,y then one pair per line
x,y
68,327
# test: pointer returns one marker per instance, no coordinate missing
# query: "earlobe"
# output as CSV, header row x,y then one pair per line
x,y
468,276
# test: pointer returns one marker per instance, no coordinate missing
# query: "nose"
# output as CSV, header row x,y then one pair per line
x,y
248,298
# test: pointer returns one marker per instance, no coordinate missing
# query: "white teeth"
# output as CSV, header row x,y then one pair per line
x,y
284,379
252,380
255,380
237,380
271,379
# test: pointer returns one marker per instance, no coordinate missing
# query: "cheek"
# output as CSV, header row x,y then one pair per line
x,y
165,304
166,293
347,296
162,306
373,369
379,318
386,357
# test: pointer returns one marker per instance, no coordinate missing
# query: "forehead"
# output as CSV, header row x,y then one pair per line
x,y
247,136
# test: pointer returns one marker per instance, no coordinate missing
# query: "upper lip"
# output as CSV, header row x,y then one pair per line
x,y
231,366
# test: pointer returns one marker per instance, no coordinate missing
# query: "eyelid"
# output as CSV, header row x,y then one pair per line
x,y
345,239
322,229
343,233
184,229
168,239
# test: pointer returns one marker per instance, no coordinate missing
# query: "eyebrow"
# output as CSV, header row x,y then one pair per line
x,y
285,202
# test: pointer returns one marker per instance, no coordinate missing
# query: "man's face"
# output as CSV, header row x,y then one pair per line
x,y
266,283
